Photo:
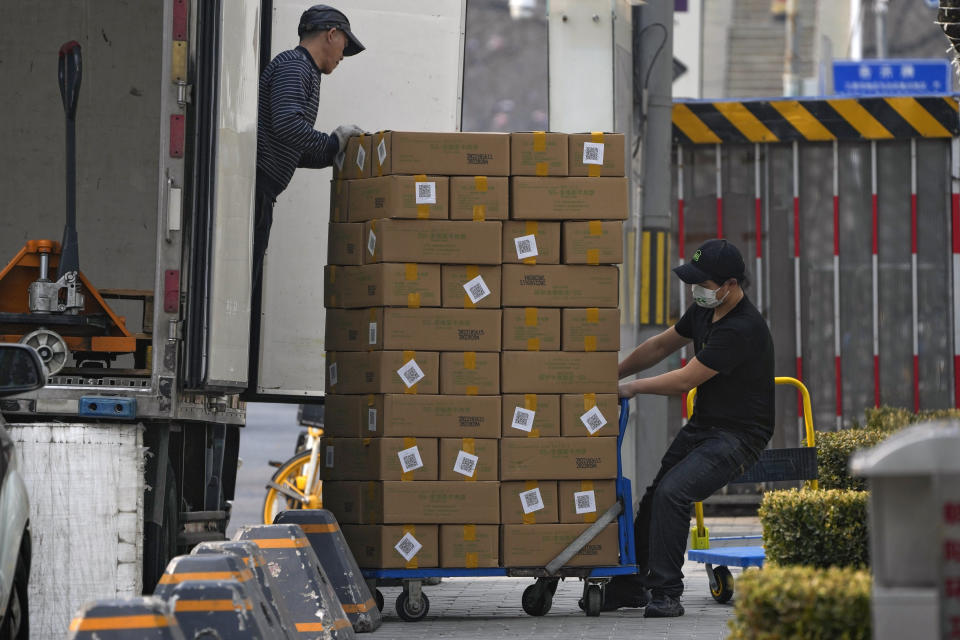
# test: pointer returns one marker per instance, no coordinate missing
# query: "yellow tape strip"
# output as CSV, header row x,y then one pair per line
x,y
593,315
543,169
589,401
539,141
469,533
530,518
595,170
470,446
413,300
533,344
587,485
423,210
470,360
407,476
280,543
212,605
362,607
530,401
595,227
480,184
239,576
412,530
472,271
479,212
411,271
472,390
530,317
589,343
321,528
146,621
407,357
593,256
531,227
471,560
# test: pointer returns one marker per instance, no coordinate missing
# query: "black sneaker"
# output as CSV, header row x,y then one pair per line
x,y
663,606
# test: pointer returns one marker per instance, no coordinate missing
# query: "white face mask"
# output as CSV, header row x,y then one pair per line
x,y
707,298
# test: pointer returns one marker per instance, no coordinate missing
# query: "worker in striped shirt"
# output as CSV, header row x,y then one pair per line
x,y
288,103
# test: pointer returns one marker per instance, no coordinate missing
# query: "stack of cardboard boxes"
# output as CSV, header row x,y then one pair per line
x,y
561,336
450,283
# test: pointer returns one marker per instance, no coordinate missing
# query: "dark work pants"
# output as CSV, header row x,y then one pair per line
x,y
262,221
699,462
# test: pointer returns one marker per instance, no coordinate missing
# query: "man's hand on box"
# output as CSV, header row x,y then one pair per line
x,y
344,132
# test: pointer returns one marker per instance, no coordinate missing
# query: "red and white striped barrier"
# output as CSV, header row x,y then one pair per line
x,y
875,279
838,365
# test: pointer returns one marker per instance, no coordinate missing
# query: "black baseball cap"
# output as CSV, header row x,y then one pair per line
x,y
716,260
321,17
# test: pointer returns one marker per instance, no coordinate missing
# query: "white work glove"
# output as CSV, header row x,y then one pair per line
x,y
344,132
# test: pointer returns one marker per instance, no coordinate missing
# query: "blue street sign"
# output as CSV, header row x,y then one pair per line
x,y
891,77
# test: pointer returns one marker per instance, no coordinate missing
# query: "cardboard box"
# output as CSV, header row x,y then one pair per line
x,y
531,329
516,496
574,418
553,285
430,502
420,416
356,161
538,153
345,244
574,496
470,373
380,372
431,329
590,329
355,329
564,458
379,459
558,372
339,192
452,154
614,154
412,197
469,546
485,467
544,421
453,277
375,546
568,198
479,198
593,242
435,241
534,545
517,242
382,285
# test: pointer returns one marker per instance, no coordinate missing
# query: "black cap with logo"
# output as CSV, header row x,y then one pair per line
x,y
716,260
321,17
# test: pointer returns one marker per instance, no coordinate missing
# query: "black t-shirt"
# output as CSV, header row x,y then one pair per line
x,y
740,398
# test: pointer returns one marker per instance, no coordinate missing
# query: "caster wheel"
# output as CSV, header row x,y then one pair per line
x,y
406,611
593,598
537,599
724,590
378,598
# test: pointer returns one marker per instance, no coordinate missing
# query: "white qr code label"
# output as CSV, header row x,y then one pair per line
x,y
381,152
466,464
526,247
411,373
329,457
371,242
531,500
592,153
477,289
408,547
361,158
523,419
332,374
585,502
371,419
593,420
410,459
426,192
372,333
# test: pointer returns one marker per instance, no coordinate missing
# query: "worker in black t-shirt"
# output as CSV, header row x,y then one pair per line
x,y
731,424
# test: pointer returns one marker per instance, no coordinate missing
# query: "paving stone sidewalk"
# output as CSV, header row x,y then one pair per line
x,y
490,608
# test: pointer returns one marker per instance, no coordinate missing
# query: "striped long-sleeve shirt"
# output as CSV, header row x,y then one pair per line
x,y
287,109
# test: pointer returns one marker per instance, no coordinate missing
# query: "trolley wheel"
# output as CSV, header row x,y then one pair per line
x,y
538,598
378,598
406,611
593,598
724,590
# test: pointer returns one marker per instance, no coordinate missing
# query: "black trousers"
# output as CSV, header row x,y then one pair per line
x,y
262,221
699,462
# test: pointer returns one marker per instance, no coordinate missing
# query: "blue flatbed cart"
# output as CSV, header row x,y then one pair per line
x,y
412,604
774,465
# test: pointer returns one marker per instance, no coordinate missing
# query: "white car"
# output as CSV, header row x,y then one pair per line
x,y
20,371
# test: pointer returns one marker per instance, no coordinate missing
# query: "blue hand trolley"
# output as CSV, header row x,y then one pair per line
x,y
412,604
774,465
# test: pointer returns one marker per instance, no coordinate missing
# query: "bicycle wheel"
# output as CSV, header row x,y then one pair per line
x,y
287,488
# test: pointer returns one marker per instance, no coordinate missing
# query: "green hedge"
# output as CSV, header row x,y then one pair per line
x,y
834,449
780,603
891,419
822,528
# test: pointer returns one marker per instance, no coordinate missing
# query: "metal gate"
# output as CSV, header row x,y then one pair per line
x,y
846,212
